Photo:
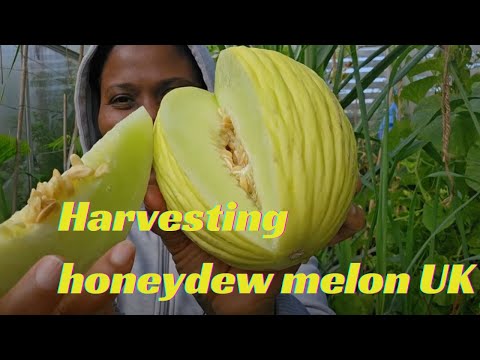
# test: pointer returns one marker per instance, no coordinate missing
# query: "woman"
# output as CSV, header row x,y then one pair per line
x,y
112,83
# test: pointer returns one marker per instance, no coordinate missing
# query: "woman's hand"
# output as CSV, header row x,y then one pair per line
x,y
354,223
189,258
36,293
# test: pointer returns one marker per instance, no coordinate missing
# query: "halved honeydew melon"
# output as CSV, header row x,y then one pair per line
x,y
272,137
112,176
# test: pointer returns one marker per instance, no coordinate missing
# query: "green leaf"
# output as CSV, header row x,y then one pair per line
x,y
377,71
324,53
353,304
475,278
473,166
474,105
444,299
475,79
474,237
463,134
462,55
57,144
417,90
434,65
431,220
294,51
419,306
463,92
476,86
401,129
310,57
398,77
8,148
409,150
433,153
472,213
422,116
438,260
426,110
367,61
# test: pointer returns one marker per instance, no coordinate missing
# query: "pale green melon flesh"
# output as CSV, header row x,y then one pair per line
x,y
127,151
196,147
197,167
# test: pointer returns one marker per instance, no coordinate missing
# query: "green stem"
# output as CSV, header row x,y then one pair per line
x,y
401,74
435,215
425,194
383,209
363,113
461,229
408,255
439,228
365,63
464,96
339,71
375,73
310,59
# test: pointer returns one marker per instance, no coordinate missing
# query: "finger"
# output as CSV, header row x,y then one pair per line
x,y
355,219
36,293
108,309
175,241
154,200
354,222
118,260
359,186
343,234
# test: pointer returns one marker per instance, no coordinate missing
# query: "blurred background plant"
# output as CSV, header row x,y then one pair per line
x,y
421,177
36,108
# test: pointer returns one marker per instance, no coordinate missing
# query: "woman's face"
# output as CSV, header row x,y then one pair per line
x,y
140,75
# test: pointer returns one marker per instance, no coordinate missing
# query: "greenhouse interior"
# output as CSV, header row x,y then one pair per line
x,y
372,150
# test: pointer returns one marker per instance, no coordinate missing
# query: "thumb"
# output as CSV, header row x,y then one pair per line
x,y
36,293
175,241
154,200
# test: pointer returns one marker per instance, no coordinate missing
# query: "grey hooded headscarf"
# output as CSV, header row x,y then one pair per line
x,y
86,103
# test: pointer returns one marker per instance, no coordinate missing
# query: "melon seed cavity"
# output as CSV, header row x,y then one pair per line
x,y
236,158
43,200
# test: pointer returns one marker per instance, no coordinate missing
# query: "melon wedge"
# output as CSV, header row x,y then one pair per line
x,y
112,176
272,137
